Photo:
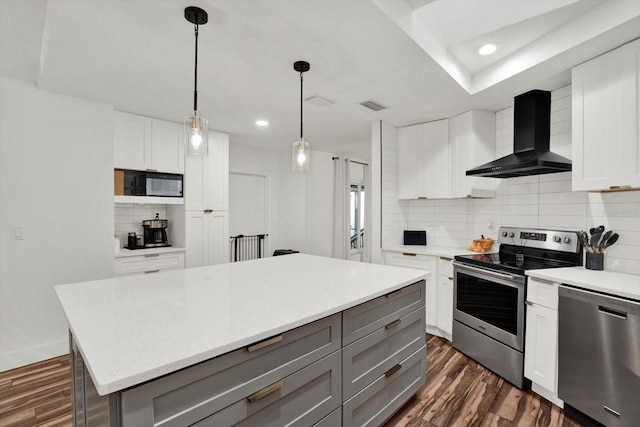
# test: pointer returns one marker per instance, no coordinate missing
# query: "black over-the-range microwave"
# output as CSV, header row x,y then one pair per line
x,y
146,183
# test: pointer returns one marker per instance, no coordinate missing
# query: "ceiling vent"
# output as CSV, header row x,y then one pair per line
x,y
373,105
319,101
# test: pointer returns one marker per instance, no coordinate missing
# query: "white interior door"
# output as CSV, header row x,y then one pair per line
x,y
248,205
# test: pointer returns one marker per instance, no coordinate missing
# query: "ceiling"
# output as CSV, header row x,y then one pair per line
x,y
414,56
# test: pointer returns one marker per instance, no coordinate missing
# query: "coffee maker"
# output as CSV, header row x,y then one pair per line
x,y
155,232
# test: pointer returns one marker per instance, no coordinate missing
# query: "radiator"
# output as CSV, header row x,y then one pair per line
x,y
244,248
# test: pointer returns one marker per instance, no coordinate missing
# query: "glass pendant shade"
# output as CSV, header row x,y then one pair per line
x,y
300,156
196,129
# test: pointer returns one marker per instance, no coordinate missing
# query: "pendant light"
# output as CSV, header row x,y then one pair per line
x,y
301,152
196,127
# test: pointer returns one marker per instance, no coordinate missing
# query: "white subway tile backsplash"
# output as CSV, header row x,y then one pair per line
x,y
543,201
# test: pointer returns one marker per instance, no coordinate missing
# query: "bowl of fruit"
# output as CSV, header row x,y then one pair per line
x,y
481,245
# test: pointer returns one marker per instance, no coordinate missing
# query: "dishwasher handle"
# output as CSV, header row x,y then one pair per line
x,y
611,312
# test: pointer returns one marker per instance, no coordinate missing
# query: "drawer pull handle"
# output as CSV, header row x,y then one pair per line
x,y
152,170
393,370
450,278
422,197
444,258
408,254
266,391
611,411
208,211
266,343
394,293
393,324
152,271
620,187
151,255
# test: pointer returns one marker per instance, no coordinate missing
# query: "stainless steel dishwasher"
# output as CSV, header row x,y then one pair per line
x,y
599,356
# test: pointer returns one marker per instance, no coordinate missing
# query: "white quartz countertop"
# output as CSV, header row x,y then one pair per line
x,y
137,328
610,282
124,252
444,251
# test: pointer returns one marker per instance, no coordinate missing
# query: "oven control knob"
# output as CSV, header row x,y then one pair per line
x,y
567,239
557,239
504,234
511,234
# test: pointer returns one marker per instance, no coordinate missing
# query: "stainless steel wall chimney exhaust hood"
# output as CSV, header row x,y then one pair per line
x,y
531,133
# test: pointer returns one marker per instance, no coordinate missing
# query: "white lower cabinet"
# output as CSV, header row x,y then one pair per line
x,y
149,263
445,296
206,237
541,339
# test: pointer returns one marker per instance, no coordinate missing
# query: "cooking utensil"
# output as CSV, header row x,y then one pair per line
x,y
605,236
594,230
595,239
582,236
610,241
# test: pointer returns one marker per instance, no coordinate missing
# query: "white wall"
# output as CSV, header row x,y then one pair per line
x,y
301,206
543,201
56,178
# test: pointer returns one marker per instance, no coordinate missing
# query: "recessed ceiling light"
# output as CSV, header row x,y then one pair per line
x,y
262,123
488,48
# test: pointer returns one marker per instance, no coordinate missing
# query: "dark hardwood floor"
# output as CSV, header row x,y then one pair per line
x,y
459,392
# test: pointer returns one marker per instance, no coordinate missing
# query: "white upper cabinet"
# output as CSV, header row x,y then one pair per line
x,y
143,143
167,146
132,141
433,157
605,96
472,142
207,179
423,161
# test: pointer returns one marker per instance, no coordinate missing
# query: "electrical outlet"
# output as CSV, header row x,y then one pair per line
x,y
17,233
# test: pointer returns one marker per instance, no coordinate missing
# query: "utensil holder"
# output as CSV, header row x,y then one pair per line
x,y
595,261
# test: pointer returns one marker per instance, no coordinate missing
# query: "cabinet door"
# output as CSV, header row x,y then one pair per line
x,y
131,141
218,236
445,303
167,147
541,342
605,119
218,191
472,142
207,179
409,146
196,238
434,161
207,238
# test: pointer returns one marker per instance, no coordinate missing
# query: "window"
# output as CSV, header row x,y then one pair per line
x,y
356,214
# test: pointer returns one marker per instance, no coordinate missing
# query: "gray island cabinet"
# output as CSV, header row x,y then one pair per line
x,y
320,342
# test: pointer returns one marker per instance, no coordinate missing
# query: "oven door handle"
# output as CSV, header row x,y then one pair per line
x,y
511,277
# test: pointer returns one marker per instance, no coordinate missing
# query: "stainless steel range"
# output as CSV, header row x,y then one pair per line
x,y
490,294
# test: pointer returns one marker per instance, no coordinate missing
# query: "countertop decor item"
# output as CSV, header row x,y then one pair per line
x,y
196,127
301,151
481,245
595,246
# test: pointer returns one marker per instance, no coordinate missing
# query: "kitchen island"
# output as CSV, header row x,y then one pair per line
x,y
292,338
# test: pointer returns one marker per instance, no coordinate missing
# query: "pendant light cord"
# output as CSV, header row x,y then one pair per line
x,y
195,86
301,97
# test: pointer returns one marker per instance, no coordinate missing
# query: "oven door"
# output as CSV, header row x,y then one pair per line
x,y
490,302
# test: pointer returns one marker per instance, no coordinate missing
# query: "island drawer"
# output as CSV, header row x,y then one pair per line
x,y
372,315
304,397
192,394
151,263
379,352
334,419
378,401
